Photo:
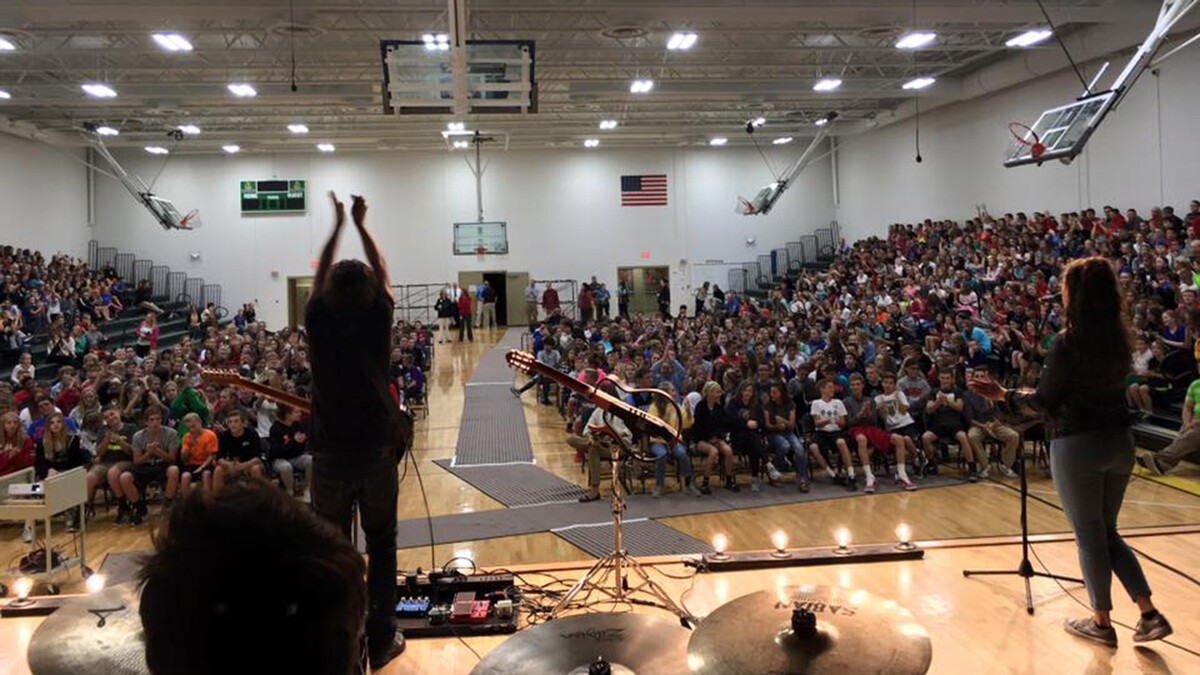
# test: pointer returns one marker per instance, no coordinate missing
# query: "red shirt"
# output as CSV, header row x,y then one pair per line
x,y
464,304
13,458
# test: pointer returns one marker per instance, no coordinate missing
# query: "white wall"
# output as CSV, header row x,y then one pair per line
x,y
1146,153
44,193
562,207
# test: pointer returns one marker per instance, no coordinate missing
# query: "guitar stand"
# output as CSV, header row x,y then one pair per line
x,y
1025,569
610,576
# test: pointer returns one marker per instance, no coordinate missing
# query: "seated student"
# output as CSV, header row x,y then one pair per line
x,y
598,423
745,431
666,412
829,418
710,430
1188,441
944,419
779,419
864,423
155,455
239,451
195,609
913,384
58,450
112,456
981,414
288,448
16,453
197,454
412,379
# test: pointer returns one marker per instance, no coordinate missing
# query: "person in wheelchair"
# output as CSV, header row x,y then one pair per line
x,y
239,451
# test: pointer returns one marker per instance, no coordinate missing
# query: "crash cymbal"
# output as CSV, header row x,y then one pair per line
x,y
631,644
810,630
99,634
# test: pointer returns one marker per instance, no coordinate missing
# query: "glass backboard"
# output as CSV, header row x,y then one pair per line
x,y
419,80
1063,130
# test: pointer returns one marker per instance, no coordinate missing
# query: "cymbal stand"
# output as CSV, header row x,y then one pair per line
x,y
610,576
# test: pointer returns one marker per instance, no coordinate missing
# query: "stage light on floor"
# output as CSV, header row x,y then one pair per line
x,y
95,583
843,542
22,587
780,541
904,537
720,544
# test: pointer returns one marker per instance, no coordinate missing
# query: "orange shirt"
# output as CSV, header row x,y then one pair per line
x,y
198,447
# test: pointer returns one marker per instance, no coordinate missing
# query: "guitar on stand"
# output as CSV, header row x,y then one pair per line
x,y
610,576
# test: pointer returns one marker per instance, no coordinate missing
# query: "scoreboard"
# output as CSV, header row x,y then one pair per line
x,y
273,196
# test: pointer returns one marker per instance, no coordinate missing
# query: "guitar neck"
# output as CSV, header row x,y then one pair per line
x,y
631,414
271,393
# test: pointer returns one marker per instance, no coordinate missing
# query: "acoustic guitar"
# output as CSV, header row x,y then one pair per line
x,y
233,378
639,421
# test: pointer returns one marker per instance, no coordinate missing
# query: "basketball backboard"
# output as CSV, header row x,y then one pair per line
x,y
483,238
1063,130
499,77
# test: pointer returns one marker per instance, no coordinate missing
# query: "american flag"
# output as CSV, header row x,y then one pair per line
x,y
644,190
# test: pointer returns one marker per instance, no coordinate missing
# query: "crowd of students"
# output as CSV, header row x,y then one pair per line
x,y
864,364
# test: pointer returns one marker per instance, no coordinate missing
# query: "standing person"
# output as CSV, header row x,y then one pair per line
x,y
147,335
623,293
446,310
531,303
358,431
488,315
664,298
701,298
464,318
550,301
1081,394
586,303
477,292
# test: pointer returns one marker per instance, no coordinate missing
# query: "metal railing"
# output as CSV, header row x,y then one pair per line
x,y
737,280
825,245
568,293
176,281
210,293
192,288
795,251
808,244
779,262
93,255
123,263
106,256
141,270
415,302
158,281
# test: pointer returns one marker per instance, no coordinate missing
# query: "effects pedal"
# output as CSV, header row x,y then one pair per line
x,y
479,611
460,611
412,607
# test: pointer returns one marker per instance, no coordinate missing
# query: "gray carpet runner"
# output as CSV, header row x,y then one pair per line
x,y
493,424
639,538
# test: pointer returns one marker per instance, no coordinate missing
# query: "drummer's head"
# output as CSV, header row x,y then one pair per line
x,y
249,565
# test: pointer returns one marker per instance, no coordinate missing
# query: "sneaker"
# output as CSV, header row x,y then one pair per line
x,y
137,514
656,493
27,533
803,485
870,487
772,473
692,490
985,473
1087,629
123,514
906,483
1008,472
732,486
705,489
851,484
391,651
1145,458
973,477
1152,629
755,486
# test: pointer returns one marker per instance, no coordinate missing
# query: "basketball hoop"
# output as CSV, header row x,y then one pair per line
x,y
191,221
1036,148
481,250
744,207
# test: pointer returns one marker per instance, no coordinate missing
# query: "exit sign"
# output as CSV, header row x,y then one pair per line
x,y
273,196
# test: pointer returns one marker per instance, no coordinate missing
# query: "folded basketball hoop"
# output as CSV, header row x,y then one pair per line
x,y
1028,138
191,221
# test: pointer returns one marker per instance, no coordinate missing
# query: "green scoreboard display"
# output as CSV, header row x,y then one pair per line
x,y
273,196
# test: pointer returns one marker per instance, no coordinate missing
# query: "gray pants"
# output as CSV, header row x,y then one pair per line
x,y
286,468
1091,471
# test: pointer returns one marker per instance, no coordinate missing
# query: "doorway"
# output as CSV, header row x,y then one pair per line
x,y
299,290
507,285
643,283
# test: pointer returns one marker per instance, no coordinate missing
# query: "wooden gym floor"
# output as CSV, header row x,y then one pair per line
x,y
976,622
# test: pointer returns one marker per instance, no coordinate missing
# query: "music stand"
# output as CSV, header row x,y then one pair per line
x,y
1025,569
613,568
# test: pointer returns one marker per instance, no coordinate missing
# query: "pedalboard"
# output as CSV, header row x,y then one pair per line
x,y
450,604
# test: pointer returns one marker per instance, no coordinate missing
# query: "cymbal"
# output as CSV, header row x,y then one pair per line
x,y
632,644
99,634
855,633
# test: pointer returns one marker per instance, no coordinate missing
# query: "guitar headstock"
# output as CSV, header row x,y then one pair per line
x,y
221,375
519,360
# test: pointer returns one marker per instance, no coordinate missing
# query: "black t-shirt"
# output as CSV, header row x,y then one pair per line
x,y
353,413
241,448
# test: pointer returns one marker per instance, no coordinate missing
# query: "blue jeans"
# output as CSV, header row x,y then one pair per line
x,y
784,443
660,461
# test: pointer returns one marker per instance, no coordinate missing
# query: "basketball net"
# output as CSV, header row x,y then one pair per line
x,y
744,207
191,221
1027,137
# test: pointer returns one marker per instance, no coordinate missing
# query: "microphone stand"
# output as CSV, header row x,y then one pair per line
x,y
1025,568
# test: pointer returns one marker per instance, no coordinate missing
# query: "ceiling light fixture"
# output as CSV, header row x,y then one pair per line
x,y
6,46
96,90
461,145
5,95
231,149
641,86
783,140
719,140
827,84
242,90
298,128
326,147
189,129
915,40
106,130
439,42
1030,38
920,83
591,143
456,126
608,125
822,122
156,150
172,42
682,41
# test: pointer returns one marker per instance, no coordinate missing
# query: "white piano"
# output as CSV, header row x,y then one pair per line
x,y
55,494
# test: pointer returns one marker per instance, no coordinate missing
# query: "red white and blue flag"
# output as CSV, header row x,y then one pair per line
x,y
644,190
